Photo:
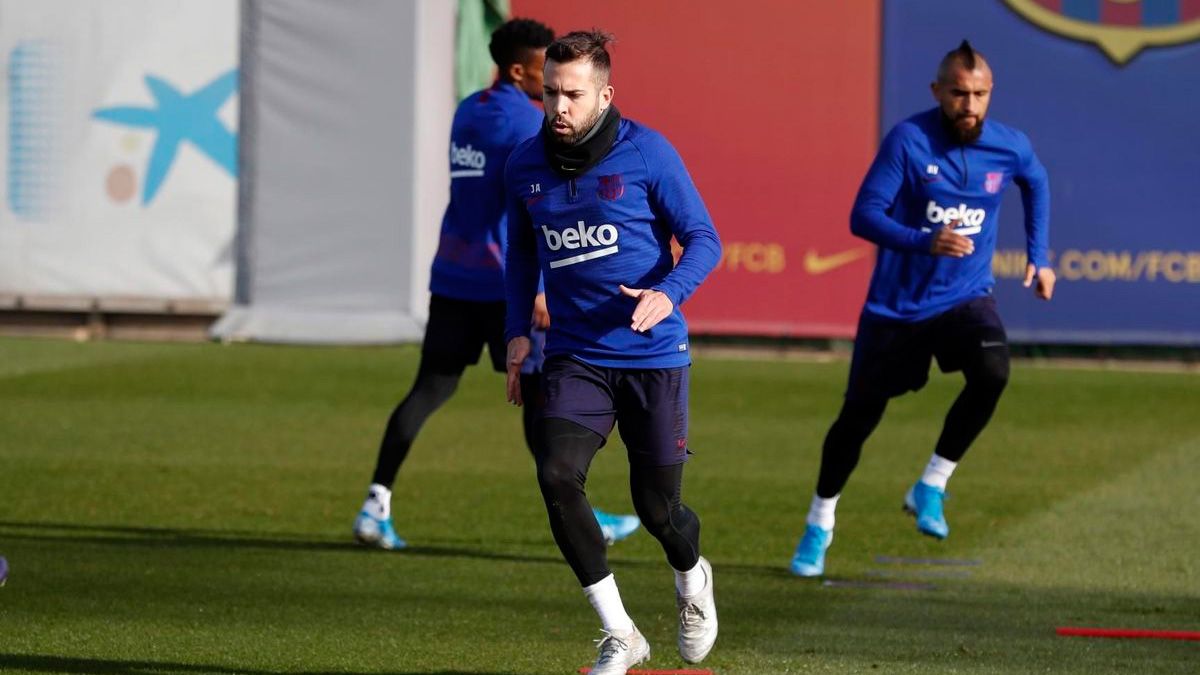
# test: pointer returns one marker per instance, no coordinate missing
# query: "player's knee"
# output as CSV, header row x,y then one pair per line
x,y
660,516
991,376
655,516
558,478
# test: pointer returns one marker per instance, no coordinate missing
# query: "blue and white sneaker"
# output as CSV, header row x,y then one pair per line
x,y
809,558
615,528
924,501
377,532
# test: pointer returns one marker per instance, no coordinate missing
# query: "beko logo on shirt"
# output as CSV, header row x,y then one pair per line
x,y
970,220
581,236
473,160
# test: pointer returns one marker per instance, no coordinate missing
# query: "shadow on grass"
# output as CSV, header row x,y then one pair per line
x,y
39,663
199,538
163,537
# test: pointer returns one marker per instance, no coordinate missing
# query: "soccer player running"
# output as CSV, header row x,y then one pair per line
x,y
466,310
931,202
593,203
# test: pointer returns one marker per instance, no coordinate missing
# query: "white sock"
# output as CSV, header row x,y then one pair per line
x,y
691,582
606,600
379,501
938,471
820,512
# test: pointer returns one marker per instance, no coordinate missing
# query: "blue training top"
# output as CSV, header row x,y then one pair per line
x,y
591,233
921,180
488,124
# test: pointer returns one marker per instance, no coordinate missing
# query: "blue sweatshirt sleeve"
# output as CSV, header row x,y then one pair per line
x,y
521,274
1034,183
673,197
869,218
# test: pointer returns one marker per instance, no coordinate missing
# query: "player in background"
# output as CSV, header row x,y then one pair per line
x,y
594,201
466,309
931,202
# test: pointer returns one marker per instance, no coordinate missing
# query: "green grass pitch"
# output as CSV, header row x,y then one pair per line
x,y
187,509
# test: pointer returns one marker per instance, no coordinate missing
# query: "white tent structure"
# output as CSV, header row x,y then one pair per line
x,y
345,111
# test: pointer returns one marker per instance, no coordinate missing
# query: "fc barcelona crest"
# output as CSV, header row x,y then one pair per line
x,y
1121,28
993,181
611,187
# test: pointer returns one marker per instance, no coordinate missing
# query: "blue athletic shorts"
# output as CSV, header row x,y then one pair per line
x,y
649,406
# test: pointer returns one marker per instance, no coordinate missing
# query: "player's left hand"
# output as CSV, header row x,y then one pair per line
x,y
653,306
1045,280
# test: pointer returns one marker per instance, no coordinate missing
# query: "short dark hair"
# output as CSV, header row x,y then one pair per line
x,y
964,55
589,45
512,41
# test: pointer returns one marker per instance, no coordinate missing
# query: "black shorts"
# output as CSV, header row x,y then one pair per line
x,y
457,332
649,406
893,357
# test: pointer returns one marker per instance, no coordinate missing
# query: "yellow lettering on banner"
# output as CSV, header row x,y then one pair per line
x,y
1175,267
1009,264
1120,265
1070,265
1172,266
1093,266
1151,266
754,257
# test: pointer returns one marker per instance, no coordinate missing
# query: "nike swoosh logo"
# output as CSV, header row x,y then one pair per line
x,y
818,264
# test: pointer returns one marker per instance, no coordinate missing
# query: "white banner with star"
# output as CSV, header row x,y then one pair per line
x,y
120,149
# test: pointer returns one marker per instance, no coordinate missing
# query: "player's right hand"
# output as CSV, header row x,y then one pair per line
x,y
541,315
518,351
948,242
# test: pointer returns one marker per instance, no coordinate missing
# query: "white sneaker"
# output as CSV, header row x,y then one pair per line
x,y
620,651
697,619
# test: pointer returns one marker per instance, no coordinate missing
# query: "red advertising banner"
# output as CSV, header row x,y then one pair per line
x,y
774,106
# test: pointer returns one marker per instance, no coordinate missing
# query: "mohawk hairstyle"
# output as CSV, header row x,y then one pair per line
x,y
513,40
584,45
964,55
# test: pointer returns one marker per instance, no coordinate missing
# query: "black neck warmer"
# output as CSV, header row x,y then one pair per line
x,y
570,161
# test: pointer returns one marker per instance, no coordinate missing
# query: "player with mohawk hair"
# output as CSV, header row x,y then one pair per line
x,y
931,202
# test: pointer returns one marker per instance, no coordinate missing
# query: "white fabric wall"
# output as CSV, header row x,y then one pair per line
x,y
346,112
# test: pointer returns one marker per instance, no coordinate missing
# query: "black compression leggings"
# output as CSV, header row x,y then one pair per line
x,y
432,388
986,376
562,474
531,418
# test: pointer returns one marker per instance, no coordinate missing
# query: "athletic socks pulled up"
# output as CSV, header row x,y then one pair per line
x,y
821,510
691,582
379,502
938,472
606,600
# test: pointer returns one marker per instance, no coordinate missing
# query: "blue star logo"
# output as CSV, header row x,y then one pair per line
x,y
177,118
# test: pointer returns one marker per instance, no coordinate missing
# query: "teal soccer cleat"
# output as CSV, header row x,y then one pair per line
x,y
615,528
377,532
924,501
809,559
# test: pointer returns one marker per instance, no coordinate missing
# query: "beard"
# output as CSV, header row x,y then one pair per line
x,y
578,133
963,136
